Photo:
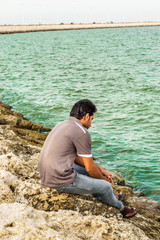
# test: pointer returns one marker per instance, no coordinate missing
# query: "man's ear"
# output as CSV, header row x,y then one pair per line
x,y
87,116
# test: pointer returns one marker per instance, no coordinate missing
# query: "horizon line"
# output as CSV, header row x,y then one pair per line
x,y
23,28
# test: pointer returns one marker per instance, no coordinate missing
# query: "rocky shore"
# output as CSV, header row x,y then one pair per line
x,y
5,29
30,211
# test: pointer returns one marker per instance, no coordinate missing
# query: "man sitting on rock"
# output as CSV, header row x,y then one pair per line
x,y
66,161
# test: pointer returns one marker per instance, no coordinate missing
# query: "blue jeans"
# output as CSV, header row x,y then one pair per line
x,y
84,184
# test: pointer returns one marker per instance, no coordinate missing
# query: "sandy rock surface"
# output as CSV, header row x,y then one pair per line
x,y
30,211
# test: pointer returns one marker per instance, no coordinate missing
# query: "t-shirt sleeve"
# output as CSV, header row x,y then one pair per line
x,y
83,145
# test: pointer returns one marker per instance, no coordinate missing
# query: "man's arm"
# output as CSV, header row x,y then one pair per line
x,y
79,161
93,169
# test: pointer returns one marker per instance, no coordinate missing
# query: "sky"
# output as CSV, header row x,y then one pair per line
x,y
77,11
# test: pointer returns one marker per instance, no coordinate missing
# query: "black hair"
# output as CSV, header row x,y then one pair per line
x,y
82,107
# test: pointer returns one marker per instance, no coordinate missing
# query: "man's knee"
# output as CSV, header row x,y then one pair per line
x,y
105,186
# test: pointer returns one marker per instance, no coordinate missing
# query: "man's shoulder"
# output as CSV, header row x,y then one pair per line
x,y
73,127
79,131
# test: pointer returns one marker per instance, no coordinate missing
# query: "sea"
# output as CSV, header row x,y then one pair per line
x,y
42,74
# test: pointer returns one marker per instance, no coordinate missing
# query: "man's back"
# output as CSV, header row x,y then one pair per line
x,y
68,139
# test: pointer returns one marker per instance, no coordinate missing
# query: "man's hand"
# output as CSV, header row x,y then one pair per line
x,y
108,177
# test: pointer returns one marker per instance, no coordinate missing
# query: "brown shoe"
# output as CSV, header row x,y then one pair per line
x,y
119,196
128,212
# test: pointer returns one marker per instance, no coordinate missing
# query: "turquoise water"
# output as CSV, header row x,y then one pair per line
x,y
43,74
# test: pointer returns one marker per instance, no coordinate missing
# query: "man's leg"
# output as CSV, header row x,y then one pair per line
x,y
83,171
87,185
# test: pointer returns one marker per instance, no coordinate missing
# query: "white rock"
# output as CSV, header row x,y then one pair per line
x,y
6,195
19,221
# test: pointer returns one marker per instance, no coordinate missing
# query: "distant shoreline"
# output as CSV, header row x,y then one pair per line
x,y
8,29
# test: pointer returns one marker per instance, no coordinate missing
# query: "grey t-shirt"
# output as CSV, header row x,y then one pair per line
x,y
67,140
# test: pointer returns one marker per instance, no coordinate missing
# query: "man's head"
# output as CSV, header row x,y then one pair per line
x,y
84,111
